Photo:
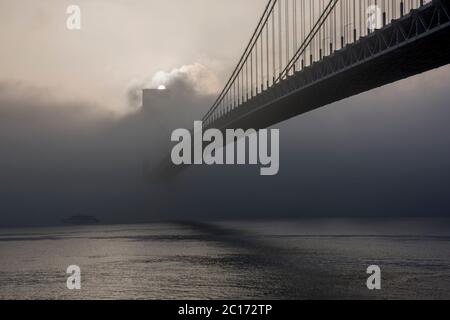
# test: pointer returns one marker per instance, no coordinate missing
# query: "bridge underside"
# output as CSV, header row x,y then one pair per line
x,y
406,47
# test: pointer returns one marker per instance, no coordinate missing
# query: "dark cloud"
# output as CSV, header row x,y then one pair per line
x,y
381,153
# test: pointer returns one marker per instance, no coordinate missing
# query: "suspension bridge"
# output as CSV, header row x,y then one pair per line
x,y
305,54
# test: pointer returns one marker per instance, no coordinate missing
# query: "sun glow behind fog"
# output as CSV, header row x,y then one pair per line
x,y
80,67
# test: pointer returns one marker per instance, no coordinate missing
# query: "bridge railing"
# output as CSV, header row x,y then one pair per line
x,y
294,34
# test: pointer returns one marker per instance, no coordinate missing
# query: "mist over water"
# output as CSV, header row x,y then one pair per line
x,y
60,158
296,259
381,153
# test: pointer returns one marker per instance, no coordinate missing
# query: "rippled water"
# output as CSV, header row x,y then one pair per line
x,y
304,259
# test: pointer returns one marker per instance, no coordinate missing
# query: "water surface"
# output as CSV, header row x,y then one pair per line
x,y
302,259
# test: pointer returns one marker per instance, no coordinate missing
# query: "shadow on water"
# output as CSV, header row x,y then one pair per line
x,y
283,272
192,259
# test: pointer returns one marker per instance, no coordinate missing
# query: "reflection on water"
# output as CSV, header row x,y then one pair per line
x,y
303,259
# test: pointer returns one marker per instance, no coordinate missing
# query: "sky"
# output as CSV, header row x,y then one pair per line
x,y
74,140
121,42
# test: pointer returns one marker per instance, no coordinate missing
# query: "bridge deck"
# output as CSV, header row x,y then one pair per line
x,y
413,44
